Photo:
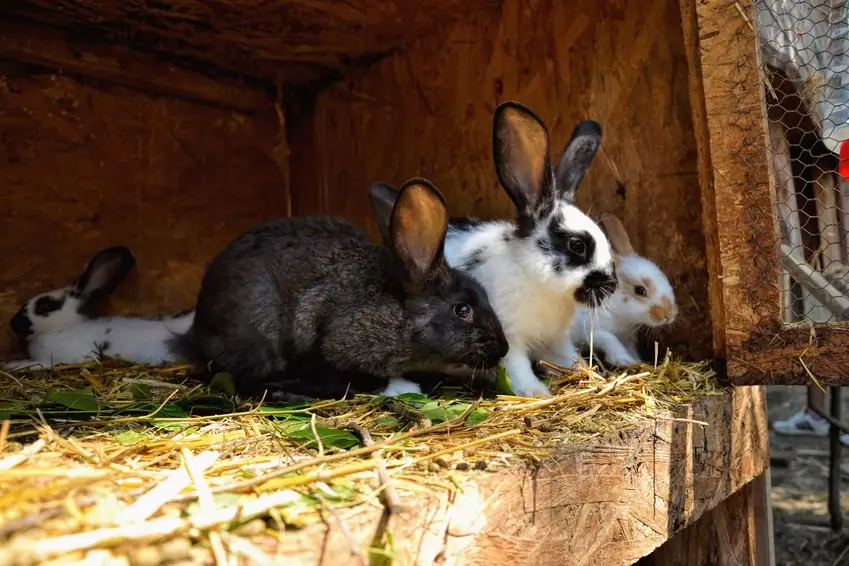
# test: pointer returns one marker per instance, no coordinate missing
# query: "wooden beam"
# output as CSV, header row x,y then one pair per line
x,y
51,49
737,531
610,501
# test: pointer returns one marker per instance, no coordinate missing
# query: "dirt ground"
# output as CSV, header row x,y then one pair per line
x,y
800,490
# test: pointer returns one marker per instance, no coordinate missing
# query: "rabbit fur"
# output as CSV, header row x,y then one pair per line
x,y
311,307
552,257
58,327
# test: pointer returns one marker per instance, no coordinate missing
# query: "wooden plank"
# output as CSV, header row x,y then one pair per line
x,y
49,48
299,41
608,501
738,531
728,110
83,168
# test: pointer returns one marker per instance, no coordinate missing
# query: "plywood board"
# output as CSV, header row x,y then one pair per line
x,y
84,167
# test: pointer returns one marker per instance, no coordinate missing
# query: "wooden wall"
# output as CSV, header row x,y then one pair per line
x,y
428,111
84,166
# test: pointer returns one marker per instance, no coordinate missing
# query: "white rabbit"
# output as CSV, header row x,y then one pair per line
x,y
553,257
643,298
58,326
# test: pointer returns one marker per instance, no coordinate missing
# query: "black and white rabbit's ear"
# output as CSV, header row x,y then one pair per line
x,y
104,272
383,197
417,228
520,145
577,158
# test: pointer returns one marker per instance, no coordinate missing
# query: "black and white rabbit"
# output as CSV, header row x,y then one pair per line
x,y
553,257
310,307
58,327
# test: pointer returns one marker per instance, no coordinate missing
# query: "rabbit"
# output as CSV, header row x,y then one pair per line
x,y
311,307
643,298
553,257
58,326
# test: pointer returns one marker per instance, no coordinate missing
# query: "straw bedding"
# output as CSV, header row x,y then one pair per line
x,y
138,465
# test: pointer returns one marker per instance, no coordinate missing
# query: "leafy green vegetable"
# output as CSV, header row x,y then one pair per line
x,y
477,416
502,381
130,437
223,382
440,412
330,437
141,391
79,400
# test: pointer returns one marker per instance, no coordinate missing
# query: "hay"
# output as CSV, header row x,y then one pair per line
x,y
155,466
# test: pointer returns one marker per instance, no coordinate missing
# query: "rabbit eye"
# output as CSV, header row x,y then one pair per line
x,y
577,246
462,310
640,291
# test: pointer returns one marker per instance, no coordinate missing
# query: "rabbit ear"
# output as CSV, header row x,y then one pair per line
x,y
617,235
418,226
383,197
104,272
521,153
577,158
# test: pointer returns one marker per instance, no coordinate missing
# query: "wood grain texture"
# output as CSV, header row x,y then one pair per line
x,y
609,501
739,213
428,111
736,532
50,49
84,167
296,41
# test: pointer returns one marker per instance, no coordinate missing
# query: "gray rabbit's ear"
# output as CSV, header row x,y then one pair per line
x,y
383,197
417,228
104,272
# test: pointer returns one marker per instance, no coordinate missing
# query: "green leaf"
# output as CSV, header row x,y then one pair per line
x,y
440,412
387,422
223,382
477,416
79,400
502,381
141,391
172,411
413,398
130,437
8,410
285,410
330,437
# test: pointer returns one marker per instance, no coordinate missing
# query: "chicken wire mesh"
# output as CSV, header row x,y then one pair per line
x,y
804,47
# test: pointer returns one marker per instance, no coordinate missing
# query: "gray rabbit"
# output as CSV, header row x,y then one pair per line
x,y
311,307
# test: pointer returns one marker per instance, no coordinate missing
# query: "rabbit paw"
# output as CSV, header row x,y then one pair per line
x,y
621,359
399,387
538,390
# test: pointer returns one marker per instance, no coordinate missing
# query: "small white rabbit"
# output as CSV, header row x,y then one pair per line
x,y
643,298
58,326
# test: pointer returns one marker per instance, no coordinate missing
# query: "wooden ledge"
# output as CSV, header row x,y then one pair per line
x,y
610,501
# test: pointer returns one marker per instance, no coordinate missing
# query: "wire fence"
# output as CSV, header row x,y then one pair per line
x,y
804,46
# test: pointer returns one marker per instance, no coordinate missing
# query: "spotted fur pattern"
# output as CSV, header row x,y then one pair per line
x,y
58,327
552,257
